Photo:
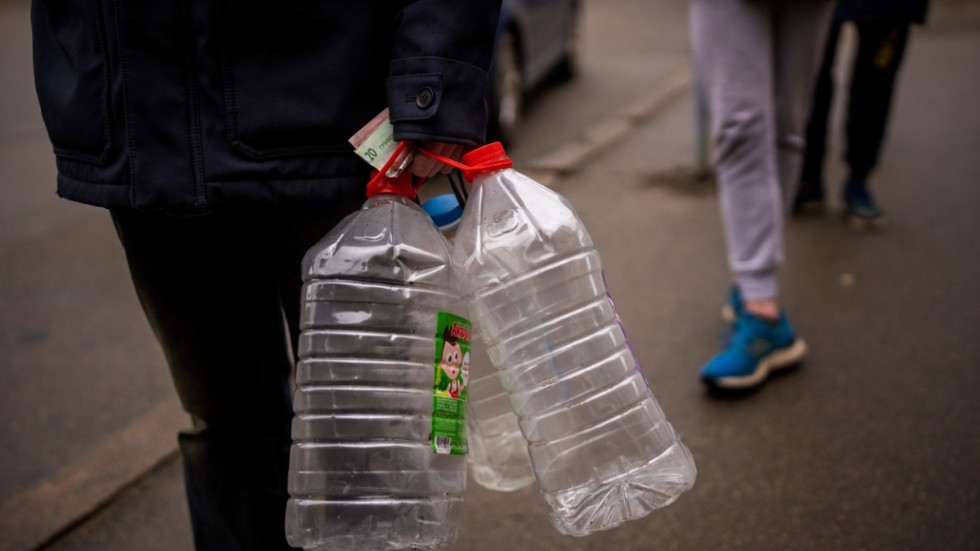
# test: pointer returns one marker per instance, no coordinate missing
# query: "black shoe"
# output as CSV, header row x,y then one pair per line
x,y
809,199
860,209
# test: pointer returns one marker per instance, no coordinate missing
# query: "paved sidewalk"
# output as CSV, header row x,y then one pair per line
x,y
872,444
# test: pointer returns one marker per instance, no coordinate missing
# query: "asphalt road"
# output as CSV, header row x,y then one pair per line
x,y
872,444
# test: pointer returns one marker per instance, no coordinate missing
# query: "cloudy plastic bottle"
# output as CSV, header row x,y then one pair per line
x,y
602,451
497,457
364,470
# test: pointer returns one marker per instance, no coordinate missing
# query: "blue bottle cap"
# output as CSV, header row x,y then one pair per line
x,y
443,209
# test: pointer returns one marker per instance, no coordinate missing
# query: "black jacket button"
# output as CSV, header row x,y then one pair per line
x,y
425,97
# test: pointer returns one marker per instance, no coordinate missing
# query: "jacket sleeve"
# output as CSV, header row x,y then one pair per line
x,y
437,79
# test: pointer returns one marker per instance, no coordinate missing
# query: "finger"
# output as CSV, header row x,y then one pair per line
x,y
444,150
454,152
423,166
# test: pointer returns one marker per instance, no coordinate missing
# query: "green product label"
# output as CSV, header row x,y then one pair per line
x,y
452,374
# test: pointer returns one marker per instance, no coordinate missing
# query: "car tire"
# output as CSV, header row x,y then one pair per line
x,y
506,110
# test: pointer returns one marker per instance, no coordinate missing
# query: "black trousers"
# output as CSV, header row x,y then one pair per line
x,y
881,47
222,294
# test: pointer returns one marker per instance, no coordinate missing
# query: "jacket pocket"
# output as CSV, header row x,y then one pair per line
x,y
299,78
72,78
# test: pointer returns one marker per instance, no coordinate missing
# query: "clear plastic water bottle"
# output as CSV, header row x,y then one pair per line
x,y
378,430
445,212
498,458
601,448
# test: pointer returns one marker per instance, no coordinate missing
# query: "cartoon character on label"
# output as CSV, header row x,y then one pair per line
x,y
449,364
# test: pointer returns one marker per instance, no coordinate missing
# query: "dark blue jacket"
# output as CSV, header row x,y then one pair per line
x,y
189,103
896,11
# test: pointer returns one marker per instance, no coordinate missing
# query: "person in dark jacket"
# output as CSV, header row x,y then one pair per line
x,y
883,31
216,134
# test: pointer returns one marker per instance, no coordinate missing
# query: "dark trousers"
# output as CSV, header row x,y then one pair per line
x,y
222,294
881,47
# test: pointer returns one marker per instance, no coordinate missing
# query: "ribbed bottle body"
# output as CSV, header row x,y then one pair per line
x,y
364,474
601,448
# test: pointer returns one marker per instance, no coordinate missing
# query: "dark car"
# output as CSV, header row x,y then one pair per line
x,y
537,42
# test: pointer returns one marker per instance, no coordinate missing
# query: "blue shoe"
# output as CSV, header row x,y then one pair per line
x,y
756,348
731,310
860,208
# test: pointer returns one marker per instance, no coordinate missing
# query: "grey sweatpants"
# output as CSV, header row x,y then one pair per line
x,y
757,60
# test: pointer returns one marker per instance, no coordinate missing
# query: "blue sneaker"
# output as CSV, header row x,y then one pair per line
x,y
860,208
731,310
755,348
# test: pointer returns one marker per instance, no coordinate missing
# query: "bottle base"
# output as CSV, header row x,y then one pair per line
x,y
502,480
606,504
373,524
500,462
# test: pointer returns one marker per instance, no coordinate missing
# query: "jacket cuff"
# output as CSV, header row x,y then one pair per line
x,y
437,99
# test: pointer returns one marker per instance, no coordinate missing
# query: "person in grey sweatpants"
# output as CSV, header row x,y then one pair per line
x,y
757,60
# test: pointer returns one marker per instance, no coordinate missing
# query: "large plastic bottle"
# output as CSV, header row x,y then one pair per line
x,y
498,458
376,462
602,450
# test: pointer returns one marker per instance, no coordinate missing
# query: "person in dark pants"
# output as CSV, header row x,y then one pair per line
x,y
216,135
883,32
